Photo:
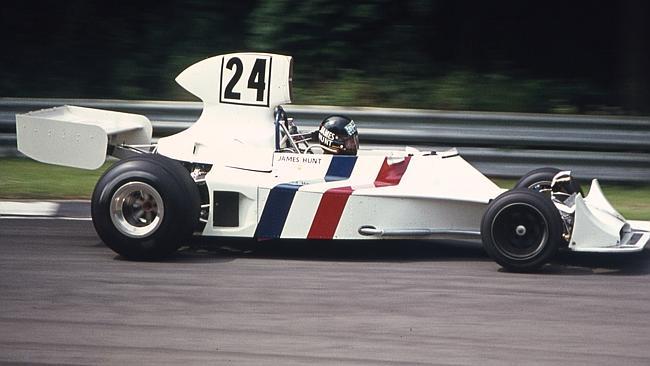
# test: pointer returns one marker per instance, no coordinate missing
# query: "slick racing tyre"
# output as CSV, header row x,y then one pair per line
x,y
521,230
540,180
145,207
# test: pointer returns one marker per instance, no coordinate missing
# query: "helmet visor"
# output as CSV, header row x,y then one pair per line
x,y
351,144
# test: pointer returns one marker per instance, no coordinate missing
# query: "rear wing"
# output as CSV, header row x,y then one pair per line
x,y
76,136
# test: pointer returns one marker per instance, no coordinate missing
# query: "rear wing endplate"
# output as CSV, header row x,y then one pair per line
x,y
76,136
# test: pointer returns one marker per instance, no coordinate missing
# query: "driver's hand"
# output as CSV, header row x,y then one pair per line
x,y
313,136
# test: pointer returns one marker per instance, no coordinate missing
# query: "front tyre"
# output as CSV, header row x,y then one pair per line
x,y
145,207
540,180
521,230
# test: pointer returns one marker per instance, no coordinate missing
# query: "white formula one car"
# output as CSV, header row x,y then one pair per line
x,y
244,170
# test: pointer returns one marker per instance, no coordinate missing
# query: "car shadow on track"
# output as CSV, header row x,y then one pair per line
x,y
184,256
342,250
570,263
566,263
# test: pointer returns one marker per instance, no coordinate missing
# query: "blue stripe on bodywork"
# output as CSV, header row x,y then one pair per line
x,y
278,203
340,167
276,210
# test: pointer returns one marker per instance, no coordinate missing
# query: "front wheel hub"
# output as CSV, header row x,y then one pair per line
x,y
520,230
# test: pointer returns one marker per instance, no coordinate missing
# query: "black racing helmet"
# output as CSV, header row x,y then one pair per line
x,y
338,135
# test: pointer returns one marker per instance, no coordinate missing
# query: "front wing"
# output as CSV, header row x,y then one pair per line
x,y
598,227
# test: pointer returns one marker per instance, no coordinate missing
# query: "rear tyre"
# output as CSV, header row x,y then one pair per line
x,y
521,230
540,180
145,207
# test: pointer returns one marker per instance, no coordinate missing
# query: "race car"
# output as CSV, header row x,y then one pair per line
x,y
245,170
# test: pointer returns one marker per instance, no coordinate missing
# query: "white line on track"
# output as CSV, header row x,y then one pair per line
x,y
45,218
28,208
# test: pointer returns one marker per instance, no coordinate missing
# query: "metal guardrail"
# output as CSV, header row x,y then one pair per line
x,y
610,148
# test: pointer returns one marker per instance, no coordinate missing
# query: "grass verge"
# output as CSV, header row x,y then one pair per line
x,y
27,179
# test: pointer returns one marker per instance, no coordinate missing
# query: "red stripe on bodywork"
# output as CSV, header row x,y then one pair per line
x,y
331,206
329,213
391,175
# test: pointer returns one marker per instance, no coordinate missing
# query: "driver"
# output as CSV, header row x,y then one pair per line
x,y
338,135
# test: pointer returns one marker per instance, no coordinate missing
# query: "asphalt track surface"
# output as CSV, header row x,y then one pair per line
x,y
67,299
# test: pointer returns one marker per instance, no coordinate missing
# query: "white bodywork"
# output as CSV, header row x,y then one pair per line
x,y
237,130
598,227
298,198
267,193
77,136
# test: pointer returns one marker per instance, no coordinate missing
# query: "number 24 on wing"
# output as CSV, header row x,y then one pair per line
x,y
245,80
